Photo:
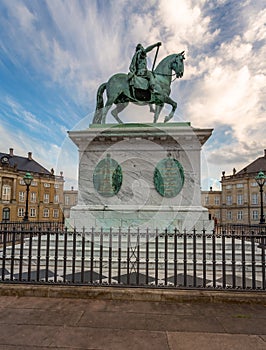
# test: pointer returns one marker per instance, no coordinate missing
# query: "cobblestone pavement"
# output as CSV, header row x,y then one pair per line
x,y
63,323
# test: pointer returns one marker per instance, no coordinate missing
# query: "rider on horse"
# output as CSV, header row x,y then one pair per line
x,y
138,66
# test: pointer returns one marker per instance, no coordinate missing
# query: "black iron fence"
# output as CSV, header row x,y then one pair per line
x,y
166,259
34,226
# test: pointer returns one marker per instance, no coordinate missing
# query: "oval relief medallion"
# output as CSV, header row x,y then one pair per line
x,y
169,177
107,177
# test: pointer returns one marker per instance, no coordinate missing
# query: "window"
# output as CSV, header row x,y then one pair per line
x,y
239,185
21,196
46,198
32,212
34,183
46,213
33,197
228,200
216,200
254,184
56,185
217,214
6,193
46,184
240,215
228,187
254,198
6,214
229,215
240,199
21,212
56,213
206,200
255,215
56,198
66,200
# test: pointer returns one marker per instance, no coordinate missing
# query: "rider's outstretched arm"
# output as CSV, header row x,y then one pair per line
x,y
149,48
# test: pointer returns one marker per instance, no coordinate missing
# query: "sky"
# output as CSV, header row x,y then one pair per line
x,y
55,53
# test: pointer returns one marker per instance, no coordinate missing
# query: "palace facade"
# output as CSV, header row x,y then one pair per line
x,y
45,198
238,202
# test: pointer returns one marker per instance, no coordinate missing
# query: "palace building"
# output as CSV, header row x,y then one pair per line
x,y
238,202
45,197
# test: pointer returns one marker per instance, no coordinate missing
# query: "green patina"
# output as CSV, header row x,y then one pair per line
x,y
140,125
107,177
169,177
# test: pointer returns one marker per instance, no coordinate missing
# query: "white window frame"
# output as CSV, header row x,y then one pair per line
x,y
240,199
66,200
229,200
21,196
46,198
254,198
21,212
56,198
33,212
240,215
229,215
46,213
6,193
255,215
216,200
46,184
33,197
56,213
240,185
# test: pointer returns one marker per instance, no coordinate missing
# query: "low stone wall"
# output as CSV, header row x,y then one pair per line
x,y
132,294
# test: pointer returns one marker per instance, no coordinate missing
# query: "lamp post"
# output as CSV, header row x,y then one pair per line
x,y
261,178
27,180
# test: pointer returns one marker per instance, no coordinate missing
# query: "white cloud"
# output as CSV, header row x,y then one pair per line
x,y
81,44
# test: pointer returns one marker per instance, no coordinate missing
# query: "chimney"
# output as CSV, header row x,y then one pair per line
x,y
11,152
29,156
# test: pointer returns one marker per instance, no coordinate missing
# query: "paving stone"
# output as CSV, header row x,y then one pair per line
x,y
243,324
39,317
115,339
27,335
199,341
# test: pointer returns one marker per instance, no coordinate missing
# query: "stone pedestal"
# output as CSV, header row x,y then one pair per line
x,y
140,175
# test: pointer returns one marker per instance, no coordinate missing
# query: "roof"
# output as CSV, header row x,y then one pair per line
x,y
254,167
26,164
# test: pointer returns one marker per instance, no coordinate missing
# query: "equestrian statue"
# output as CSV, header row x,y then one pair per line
x,y
140,85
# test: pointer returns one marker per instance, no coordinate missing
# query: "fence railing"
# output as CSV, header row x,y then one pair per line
x,y
149,259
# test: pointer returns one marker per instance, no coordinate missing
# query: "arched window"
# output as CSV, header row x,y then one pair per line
x,y
6,214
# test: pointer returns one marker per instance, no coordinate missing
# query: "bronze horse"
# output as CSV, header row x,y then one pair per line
x,y
119,91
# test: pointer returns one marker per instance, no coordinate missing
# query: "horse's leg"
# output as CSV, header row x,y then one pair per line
x,y
105,110
119,108
169,101
152,110
158,109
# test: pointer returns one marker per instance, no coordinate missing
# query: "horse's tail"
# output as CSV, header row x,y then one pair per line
x,y
97,119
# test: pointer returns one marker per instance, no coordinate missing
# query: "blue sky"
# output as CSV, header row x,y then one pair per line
x,y
55,53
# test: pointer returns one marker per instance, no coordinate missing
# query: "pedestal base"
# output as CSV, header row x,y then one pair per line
x,y
116,217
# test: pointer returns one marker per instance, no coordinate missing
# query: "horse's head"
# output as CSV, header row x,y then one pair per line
x,y
178,64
